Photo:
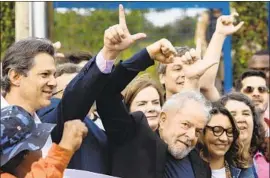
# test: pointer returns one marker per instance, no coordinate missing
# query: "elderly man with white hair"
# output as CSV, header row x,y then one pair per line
x,y
137,151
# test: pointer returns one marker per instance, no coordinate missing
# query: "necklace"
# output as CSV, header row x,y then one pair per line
x,y
227,170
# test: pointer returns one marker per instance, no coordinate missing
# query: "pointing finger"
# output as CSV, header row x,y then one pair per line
x,y
122,17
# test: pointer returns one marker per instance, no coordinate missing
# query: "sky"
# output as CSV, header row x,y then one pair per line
x,y
157,18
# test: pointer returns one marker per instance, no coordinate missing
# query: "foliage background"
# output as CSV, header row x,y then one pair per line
x,y
7,25
253,36
85,33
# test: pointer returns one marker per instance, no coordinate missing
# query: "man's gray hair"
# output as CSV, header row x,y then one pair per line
x,y
177,101
180,52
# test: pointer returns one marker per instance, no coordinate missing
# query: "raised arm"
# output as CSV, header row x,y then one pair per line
x,y
83,90
118,123
224,28
194,68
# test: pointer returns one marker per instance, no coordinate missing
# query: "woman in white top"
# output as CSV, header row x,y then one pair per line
x,y
220,147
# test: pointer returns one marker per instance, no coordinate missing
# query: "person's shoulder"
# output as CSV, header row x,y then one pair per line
x,y
140,119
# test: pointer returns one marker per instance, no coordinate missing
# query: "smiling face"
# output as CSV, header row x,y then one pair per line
x,y
148,101
37,86
180,130
174,78
218,143
243,116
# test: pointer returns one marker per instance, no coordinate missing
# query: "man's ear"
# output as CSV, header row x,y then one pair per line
x,y
14,77
162,119
162,79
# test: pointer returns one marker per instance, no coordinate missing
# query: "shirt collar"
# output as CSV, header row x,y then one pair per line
x,y
4,103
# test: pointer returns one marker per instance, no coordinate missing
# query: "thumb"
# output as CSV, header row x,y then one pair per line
x,y
138,36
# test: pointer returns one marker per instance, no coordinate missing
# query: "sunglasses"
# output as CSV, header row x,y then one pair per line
x,y
218,131
261,89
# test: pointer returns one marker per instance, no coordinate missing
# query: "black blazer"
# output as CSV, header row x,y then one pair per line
x,y
136,151
78,98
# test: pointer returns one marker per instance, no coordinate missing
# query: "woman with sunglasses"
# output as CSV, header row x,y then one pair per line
x,y
220,147
248,122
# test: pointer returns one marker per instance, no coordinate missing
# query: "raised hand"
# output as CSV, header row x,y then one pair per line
x,y
57,46
117,37
193,66
74,132
225,24
162,51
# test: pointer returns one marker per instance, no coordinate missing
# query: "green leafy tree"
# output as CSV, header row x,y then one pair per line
x,y
7,27
253,36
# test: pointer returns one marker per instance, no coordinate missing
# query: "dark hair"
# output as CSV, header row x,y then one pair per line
x,y
180,52
20,57
258,130
13,163
139,84
262,52
249,73
75,57
67,68
234,155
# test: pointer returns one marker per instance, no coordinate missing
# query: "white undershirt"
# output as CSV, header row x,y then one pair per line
x,y
219,173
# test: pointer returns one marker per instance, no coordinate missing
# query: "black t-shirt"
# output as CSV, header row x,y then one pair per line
x,y
181,168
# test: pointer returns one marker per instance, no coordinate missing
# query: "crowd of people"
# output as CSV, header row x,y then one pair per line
x,y
80,111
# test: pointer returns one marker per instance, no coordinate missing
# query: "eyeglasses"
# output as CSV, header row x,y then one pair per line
x,y
218,131
261,89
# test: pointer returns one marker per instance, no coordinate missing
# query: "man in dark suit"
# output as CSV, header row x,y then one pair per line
x,y
28,79
136,150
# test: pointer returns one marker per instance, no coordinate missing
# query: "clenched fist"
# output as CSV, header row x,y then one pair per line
x,y
74,132
225,24
194,67
162,51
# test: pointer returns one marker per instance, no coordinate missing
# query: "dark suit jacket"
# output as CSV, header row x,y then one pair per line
x,y
137,151
78,98
93,153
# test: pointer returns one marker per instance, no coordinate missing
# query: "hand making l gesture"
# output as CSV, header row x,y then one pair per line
x,y
117,37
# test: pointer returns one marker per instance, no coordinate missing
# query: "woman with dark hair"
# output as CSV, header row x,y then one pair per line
x,y
144,94
220,147
247,119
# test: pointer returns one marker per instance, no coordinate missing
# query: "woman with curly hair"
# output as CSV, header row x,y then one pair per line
x,y
145,95
220,147
251,130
